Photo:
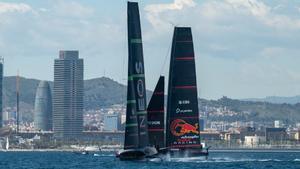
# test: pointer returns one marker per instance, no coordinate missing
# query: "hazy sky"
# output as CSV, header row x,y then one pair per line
x,y
244,48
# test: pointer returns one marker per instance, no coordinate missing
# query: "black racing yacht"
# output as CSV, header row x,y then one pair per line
x,y
182,133
136,145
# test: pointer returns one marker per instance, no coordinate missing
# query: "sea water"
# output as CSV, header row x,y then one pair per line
x,y
216,160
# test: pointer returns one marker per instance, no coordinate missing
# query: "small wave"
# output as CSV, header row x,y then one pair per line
x,y
297,159
103,155
265,160
156,160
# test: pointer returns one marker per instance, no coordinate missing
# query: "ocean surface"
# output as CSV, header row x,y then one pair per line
x,y
216,160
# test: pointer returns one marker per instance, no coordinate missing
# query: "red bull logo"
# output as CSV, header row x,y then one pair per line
x,y
179,127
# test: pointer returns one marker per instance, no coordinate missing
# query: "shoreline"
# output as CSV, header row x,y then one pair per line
x,y
232,150
254,150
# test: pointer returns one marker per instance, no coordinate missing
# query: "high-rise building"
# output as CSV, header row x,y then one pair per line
x,y
201,124
43,107
68,96
1,86
112,122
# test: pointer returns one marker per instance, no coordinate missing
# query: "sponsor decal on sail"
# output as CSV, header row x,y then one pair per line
x,y
179,128
178,110
154,122
183,102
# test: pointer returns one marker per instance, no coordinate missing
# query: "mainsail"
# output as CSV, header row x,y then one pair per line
x,y
156,115
182,108
136,132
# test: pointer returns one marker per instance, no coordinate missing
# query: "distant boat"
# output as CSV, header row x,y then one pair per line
x,y
81,152
136,145
182,118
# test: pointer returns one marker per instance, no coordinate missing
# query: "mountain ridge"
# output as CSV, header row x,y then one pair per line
x,y
103,92
276,99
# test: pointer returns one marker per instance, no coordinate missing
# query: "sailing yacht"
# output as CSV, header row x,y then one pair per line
x,y
136,145
182,131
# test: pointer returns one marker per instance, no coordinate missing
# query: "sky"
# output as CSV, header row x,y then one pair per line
x,y
243,48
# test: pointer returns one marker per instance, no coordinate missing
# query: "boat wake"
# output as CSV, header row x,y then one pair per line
x,y
223,160
202,159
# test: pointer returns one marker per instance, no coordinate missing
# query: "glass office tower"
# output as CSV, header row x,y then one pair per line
x,y
68,96
43,107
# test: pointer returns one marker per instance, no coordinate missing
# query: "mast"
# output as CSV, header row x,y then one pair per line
x,y
18,98
156,115
182,108
1,90
136,130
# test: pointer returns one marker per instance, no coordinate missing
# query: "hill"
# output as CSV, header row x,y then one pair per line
x,y
277,99
104,92
254,111
99,92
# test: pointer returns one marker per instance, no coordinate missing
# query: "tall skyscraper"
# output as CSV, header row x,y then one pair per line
x,y
68,96
43,107
1,86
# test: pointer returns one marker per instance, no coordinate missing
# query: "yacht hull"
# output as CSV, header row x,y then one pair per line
x,y
136,154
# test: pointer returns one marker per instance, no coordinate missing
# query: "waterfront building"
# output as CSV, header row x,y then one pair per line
x,y
1,86
278,124
201,124
112,122
297,135
123,118
276,135
68,96
210,135
5,116
255,140
105,137
43,107
298,125
247,131
232,136
293,135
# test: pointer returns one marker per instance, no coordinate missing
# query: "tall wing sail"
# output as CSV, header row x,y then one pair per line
x,y
131,127
136,134
182,109
156,115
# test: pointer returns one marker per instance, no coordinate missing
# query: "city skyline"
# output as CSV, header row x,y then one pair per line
x,y
243,49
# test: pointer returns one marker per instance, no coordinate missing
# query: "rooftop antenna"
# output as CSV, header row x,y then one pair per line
x,y
18,97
